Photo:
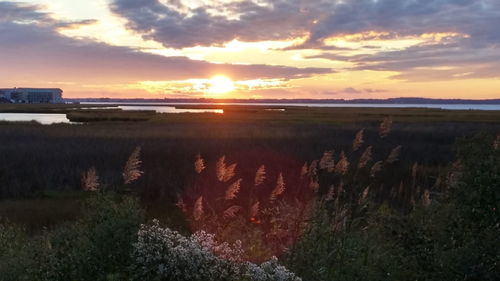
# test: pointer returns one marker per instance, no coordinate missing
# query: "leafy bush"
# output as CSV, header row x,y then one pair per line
x,y
98,245
95,247
451,235
17,253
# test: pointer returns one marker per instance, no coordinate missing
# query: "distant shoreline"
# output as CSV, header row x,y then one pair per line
x,y
294,101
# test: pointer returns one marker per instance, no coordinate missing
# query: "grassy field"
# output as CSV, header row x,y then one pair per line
x,y
39,159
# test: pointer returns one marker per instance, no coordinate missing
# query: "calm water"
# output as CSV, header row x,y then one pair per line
x,y
162,107
42,118
167,109
52,118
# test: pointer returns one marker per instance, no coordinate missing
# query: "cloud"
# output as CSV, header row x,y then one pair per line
x,y
474,23
177,25
33,50
351,90
428,62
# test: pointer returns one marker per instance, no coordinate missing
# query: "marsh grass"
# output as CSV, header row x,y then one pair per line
x,y
39,159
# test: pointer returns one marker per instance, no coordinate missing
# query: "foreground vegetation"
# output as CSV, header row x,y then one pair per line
x,y
401,200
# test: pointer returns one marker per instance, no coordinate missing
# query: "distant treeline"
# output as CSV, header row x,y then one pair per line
x,y
410,100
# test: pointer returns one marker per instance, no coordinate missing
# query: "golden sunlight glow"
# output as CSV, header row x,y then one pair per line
x,y
386,41
220,84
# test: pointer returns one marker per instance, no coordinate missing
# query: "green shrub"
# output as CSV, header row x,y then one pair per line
x,y
97,246
16,253
455,237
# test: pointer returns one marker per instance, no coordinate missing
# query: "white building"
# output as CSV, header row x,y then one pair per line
x,y
32,95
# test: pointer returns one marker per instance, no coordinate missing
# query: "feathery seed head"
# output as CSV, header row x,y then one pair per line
x,y
314,184
260,175
180,203
131,171
279,189
254,210
364,195
233,190
343,165
199,164
229,172
223,172
385,127
394,155
220,168
90,180
327,161
313,168
426,198
376,168
198,209
231,211
304,170
365,157
358,140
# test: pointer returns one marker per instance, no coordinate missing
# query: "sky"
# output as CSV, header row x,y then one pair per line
x,y
335,49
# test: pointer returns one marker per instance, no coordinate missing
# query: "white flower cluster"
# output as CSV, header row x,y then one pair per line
x,y
269,271
232,253
163,254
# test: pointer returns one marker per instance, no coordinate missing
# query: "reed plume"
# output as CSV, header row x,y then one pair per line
x,y
365,157
426,198
358,140
233,190
260,175
254,210
304,170
376,168
180,204
364,195
313,168
90,180
198,209
229,172
279,189
385,127
199,164
394,155
327,161
231,211
343,165
455,173
223,172
314,184
131,171
220,168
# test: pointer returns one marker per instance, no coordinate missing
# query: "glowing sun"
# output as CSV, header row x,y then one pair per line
x,y
220,84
